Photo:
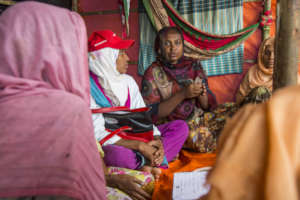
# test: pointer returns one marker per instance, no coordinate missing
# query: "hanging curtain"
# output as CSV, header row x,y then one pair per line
x,y
125,9
147,37
210,28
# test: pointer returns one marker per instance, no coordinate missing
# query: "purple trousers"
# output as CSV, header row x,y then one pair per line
x,y
173,136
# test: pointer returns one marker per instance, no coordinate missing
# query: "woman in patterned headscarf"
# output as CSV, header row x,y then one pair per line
x,y
180,85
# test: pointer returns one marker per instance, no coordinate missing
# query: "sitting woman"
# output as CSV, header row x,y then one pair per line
x,y
47,145
180,86
261,74
110,86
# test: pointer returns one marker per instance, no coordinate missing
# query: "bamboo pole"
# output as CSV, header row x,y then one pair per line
x,y
287,44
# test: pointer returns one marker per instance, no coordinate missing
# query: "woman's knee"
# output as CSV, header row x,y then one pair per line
x,y
181,127
119,156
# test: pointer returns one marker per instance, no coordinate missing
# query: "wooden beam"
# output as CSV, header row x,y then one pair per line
x,y
287,44
106,12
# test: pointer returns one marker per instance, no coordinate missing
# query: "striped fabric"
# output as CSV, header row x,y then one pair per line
x,y
213,16
216,17
147,37
227,63
99,97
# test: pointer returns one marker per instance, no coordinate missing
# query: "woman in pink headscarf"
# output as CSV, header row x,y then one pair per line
x,y
47,146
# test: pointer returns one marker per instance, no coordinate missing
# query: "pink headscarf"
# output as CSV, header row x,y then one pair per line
x,y
47,146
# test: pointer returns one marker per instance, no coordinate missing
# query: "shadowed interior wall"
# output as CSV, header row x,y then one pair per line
x,y
110,18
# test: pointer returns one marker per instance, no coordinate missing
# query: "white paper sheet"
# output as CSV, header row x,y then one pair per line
x,y
190,185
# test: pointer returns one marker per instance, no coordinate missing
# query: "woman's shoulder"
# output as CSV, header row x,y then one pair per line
x,y
195,64
192,62
195,61
189,59
128,78
130,81
152,67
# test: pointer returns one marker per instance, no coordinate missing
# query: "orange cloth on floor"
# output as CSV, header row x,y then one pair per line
x,y
188,161
258,152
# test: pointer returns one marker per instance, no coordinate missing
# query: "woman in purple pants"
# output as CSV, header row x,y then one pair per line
x,y
110,87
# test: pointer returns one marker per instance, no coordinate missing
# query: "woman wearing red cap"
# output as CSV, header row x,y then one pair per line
x,y
108,64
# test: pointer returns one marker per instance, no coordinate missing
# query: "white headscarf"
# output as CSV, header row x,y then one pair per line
x,y
103,64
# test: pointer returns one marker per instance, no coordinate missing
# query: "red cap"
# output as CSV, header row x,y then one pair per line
x,y
107,38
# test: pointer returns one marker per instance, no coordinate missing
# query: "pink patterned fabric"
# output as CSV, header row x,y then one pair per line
x,y
47,145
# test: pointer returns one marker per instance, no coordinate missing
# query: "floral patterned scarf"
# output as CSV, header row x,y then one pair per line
x,y
185,71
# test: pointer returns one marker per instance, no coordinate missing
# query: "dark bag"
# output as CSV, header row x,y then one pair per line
x,y
135,124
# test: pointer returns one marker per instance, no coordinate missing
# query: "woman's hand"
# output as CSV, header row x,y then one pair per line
x,y
159,153
203,93
144,148
201,85
148,151
193,90
128,184
202,98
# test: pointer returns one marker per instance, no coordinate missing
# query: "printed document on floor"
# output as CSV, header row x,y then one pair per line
x,y
190,185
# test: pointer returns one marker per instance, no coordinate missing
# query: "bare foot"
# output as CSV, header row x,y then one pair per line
x,y
153,170
146,168
156,172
